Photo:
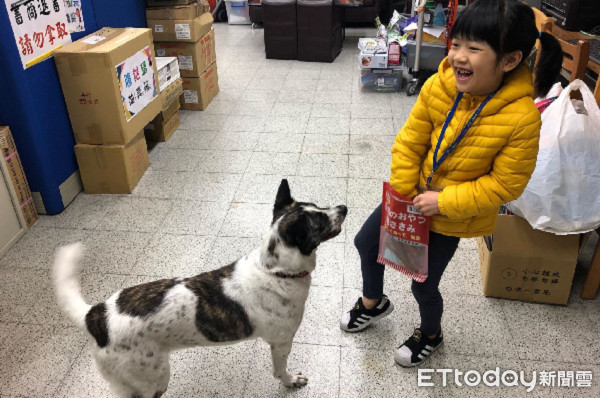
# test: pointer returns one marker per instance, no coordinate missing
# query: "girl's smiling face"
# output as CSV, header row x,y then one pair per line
x,y
476,67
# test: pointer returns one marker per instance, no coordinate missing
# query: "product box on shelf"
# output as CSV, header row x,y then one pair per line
x,y
112,169
387,80
181,30
171,93
193,58
199,91
168,71
109,82
369,61
12,161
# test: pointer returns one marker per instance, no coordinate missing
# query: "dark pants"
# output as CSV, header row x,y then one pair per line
x,y
427,294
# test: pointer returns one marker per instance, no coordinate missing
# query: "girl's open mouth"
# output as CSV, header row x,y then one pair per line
x,y
463,74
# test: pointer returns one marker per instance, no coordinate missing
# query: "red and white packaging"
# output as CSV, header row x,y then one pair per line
x,y
404,235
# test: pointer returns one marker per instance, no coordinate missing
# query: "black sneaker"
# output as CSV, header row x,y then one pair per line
x,y
417,349
359,317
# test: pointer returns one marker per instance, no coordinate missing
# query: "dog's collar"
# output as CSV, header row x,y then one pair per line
x,y
298,275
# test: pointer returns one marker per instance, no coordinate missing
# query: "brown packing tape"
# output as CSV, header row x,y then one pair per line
x,y
100,158
94,132
137,161
77,65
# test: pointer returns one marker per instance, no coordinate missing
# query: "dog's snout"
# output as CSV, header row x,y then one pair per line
x,y
342,209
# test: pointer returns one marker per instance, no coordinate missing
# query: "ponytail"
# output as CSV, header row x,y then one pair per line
x,y
549,64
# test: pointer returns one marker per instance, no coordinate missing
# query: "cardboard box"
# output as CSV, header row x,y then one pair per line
x,y
168,71
522,263
369,61
10,157
203,7
171,93
108,80
181,30
193,58
160,3
199,91
112,168
164,125
189,11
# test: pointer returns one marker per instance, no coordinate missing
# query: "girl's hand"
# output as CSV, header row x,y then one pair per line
x,y
427,203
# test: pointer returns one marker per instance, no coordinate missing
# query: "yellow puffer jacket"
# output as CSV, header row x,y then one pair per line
x,y
490,166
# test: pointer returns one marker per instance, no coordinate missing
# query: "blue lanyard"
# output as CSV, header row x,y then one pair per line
x,y
437,163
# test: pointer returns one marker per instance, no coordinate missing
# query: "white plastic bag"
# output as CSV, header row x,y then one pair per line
x,y
563,195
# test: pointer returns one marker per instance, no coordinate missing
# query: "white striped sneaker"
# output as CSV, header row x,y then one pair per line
x,y
359,317
417,349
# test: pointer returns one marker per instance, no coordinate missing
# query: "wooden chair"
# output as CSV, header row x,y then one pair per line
x,y
542,20
575,56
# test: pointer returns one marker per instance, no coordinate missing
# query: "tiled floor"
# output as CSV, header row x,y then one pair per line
x,y
207,198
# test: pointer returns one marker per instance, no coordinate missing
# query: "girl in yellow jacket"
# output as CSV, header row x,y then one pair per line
x,y
469,145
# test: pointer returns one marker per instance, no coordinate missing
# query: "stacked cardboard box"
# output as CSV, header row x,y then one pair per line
x,y
109,81
185,31
522,263
167,122
10,157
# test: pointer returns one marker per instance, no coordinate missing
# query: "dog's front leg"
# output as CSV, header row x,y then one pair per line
x,y
279,354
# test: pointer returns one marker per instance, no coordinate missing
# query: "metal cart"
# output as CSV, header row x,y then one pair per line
x,y
419,7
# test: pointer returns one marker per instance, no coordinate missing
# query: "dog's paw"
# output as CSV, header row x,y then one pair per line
x,y
294,380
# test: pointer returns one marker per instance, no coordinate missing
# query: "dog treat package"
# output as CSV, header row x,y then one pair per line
x,y
404,235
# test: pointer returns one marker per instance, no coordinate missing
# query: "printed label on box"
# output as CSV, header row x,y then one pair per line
x,y
186,62
190,96
161,53
158,28
136,82
94,39
182,31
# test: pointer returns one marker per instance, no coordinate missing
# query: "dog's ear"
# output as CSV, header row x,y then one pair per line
x,y
283,198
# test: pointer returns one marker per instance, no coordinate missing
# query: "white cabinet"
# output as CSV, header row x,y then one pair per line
x,y
12,225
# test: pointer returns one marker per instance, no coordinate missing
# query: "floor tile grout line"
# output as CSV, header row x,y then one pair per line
x,y
63,383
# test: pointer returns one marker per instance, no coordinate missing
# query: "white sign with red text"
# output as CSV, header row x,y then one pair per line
x,y
39,27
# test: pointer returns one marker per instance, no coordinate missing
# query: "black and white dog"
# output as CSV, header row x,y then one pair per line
x,y
260,295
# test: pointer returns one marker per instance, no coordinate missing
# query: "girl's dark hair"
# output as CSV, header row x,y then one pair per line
x,y
507,26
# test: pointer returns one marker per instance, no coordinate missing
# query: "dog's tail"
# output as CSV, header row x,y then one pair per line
x,y
66,284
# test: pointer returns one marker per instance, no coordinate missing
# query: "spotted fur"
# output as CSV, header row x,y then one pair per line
x,y
133,332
